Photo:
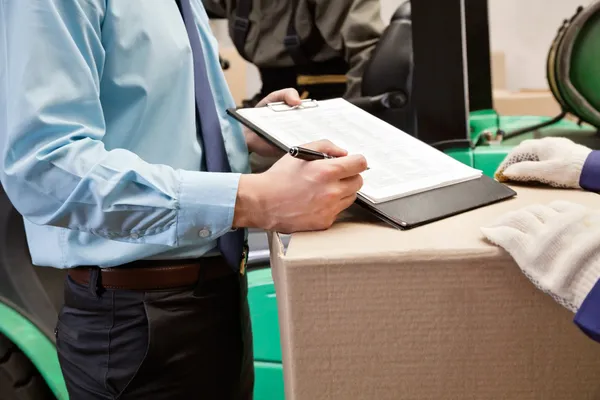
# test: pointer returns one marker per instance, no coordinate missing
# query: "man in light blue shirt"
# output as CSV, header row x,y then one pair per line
x,y
106,112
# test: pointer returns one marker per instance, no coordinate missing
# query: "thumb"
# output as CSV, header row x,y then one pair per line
x,y
289,96
527,171
525,151
555,173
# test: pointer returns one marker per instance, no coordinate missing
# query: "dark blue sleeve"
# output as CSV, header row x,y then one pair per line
x,y
590,175
588,316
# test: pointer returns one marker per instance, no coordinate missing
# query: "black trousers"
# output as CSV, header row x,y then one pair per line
x,y
176,344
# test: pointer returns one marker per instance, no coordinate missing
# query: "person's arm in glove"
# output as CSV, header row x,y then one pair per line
x,y
554,161
557,246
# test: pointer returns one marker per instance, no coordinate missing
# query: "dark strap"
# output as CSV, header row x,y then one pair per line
x,y
302,52
241,26
155,275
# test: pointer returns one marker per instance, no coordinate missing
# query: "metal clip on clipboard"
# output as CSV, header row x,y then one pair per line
x,y
282,106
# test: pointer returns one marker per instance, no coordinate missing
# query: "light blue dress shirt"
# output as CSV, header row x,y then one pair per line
x,y
98,142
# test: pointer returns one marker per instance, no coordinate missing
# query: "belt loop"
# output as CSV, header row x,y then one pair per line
x,y
94,288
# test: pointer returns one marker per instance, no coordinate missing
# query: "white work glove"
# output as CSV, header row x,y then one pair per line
x,y
553,161
557,246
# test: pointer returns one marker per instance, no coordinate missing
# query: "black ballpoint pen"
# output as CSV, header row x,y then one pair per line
x,y
308,154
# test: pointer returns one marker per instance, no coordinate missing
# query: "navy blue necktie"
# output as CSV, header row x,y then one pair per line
x,y
231,244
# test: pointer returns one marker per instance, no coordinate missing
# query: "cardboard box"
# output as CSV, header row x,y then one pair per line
x,y
498,70
433,313
526,102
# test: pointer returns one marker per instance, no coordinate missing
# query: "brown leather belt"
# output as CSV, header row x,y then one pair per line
x,y
156,275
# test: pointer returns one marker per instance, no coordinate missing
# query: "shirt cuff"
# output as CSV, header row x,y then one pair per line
x,y
206,205
590,174
588,315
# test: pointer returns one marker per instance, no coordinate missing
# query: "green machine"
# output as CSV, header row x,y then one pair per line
x,y
430,76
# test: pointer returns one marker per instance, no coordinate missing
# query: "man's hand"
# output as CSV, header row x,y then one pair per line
x,y
555,245
554,161
295,195
255,143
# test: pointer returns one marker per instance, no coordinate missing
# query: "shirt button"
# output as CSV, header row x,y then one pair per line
x,y
135,236
204,233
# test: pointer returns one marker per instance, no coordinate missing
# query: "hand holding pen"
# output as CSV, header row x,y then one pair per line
x,y
300,196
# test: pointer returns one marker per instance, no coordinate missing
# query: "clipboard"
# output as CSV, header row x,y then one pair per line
x,y
416,209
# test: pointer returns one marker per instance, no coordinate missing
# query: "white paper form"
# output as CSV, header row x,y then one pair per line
x,y
399,164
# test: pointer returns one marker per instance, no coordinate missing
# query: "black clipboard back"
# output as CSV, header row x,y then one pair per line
x,y
244,121
436,204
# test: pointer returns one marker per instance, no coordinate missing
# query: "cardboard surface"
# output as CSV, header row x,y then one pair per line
x,y
370,312
526,102
498,70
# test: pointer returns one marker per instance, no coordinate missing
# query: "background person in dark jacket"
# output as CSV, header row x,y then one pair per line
x,y
319,47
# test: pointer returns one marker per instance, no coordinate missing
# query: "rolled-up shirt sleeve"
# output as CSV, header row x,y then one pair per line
x,y
55,167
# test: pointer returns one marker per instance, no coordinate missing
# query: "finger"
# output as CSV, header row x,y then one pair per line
x,y
528,146
351,185
524,220
543,213
526,151
346,202
570,214
327,147
521,152
511,240
562,206
345,167
290,96
510,218
556,141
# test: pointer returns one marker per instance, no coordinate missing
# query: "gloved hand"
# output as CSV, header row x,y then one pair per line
x,y
554,161
557,246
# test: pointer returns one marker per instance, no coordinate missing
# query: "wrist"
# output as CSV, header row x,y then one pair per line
x,y
589,178
249,203
579,159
